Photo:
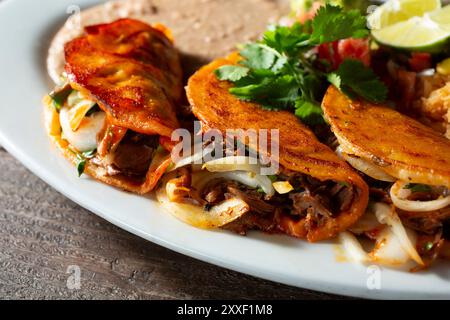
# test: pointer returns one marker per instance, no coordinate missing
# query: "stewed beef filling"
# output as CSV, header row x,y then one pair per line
x,y
132,157
311,198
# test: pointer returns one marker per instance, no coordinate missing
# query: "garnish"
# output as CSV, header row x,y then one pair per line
x,y
333,23
428,246
59,96
354,79
82,159
281,71
417,187
345,184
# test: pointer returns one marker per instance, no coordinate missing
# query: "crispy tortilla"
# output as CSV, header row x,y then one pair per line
x,y
136,80
132,71
299,149
399,145
201,29
155,172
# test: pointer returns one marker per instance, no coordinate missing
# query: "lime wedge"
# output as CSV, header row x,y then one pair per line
x,y
427,33
395,11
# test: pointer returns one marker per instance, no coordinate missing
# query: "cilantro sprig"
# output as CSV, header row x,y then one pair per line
x,y
81,159
281,71
417,187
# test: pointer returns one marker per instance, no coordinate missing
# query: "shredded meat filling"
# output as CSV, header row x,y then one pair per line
x,y
132,156
312,199
425,222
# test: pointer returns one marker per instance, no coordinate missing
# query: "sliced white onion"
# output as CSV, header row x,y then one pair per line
x,y
250,179
234,163
78,112
397,196
364,166
74,97
195,158
352,247
389,250
367,223
85,138
218,216
387,215
395,245
282,187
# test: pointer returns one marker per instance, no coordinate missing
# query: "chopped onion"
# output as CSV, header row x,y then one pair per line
x,y
218,216
398,198
250,179
282,187
387,215
233,163
366,167
353,248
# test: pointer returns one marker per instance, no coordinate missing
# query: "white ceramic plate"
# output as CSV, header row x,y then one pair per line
x,y
26,27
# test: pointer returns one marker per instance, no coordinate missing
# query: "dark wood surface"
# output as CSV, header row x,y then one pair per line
x,y
42,233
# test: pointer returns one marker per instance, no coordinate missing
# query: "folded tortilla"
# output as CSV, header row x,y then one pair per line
x,y
398,145
202,30
299,149
132,72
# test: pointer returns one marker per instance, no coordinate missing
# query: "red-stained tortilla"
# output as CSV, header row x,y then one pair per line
x,y
299,149
132,71
399,145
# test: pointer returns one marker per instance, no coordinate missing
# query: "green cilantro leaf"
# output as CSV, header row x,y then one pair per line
x,y
417,187
231,73
59,96
275,92
282,71
428,246
331,23
308,112
82,160
355,79
345,184
81,165
287,40
257,56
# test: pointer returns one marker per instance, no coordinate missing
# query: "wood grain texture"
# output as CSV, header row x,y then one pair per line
x,y
42,233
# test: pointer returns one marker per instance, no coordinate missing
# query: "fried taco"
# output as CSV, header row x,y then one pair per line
x,y
213,33
114,111
314,194
406,164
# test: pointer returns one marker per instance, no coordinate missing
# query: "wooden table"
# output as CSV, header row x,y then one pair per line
x,y
42,233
